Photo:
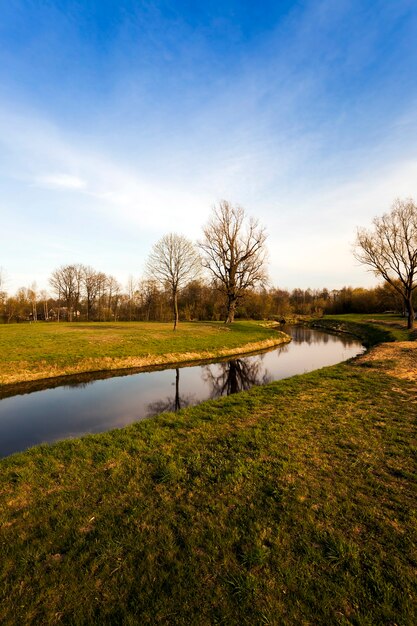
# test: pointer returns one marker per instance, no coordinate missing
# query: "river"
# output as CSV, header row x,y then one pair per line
x,y
93,406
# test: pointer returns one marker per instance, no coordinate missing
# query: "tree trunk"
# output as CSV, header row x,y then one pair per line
x,y
410,312
231,308
175,301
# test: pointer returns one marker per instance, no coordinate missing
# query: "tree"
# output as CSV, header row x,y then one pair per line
x,y
44,298
234,253
33,297
66,281
390,250
173,262
90,281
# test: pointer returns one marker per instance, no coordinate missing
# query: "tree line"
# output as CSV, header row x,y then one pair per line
x,y
224,275
98,297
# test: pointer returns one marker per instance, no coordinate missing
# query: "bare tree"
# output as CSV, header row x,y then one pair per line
x,y
90,281
66,281
44,297
131,290
390,250
33,297
173,262
149,294
234,253
113,296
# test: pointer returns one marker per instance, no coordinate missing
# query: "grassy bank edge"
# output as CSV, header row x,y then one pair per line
x,y
140,363
371,334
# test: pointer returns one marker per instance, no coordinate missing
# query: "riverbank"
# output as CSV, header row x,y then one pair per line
x,y
31,352
371,329
292,503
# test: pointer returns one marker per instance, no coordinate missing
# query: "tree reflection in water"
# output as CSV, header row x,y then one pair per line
x,y
174,403
235,376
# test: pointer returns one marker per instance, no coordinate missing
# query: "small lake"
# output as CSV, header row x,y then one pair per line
x,y
92,406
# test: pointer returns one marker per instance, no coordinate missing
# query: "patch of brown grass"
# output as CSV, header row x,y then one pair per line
x,y
398,359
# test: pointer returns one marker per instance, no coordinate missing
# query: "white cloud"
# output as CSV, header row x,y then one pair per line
x,y
60,181
111,186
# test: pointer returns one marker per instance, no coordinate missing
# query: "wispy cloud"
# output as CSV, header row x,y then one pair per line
x,y
60,181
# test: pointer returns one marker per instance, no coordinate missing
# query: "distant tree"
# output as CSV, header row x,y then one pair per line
x,y
44,297
173,262
131,291
234,253
90,284
113,297
66,282
33,297
390,250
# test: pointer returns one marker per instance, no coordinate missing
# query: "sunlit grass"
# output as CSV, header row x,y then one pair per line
x,y
293,503
372,328
42,350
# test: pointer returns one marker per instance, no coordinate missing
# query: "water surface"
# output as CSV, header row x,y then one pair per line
x,y
99,405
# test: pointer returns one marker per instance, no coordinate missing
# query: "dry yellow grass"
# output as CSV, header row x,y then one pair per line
x,y
400,359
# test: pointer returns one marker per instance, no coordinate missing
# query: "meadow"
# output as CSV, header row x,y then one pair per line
x,y
42,350
293,503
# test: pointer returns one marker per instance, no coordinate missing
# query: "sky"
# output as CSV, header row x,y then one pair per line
x,y
122,120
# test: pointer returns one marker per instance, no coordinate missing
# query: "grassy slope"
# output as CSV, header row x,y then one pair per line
x,y
293,503
36,351
371,328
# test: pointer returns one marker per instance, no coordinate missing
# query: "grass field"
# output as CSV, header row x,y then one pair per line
x,y
35,351
293,503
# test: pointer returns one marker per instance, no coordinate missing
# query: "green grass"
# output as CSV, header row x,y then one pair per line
x,y
42,350
293,503
371,328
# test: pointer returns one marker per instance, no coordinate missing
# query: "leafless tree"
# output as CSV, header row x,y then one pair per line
x,y
390,250
91,281
173,262
44,297
113,296
131,290
234,253
66,281
33,297
149,293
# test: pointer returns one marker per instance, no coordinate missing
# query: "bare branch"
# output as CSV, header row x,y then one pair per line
x,y
173,262
390,250
233,254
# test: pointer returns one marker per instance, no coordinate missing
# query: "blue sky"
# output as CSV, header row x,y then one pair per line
x,y
123,120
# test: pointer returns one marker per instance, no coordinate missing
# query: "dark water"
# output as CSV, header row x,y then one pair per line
x,y
99,405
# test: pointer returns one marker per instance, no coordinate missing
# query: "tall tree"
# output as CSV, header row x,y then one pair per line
x,y
66,281
131,290
173,262
390,250
44,298
90,281
234,253
33,297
